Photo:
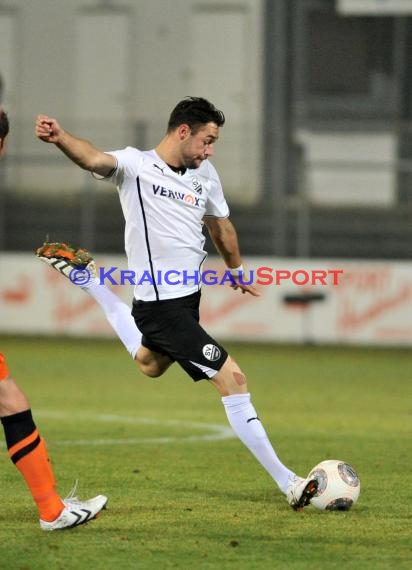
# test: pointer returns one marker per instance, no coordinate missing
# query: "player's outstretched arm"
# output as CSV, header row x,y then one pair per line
x,y
223,234
80,151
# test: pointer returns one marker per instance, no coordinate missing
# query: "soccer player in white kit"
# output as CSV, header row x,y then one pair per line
x,y
167,194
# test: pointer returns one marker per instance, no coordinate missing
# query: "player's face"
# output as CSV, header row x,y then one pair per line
x,y
199,146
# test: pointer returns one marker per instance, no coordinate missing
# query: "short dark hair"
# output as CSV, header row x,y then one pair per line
x,y
4,125
195,112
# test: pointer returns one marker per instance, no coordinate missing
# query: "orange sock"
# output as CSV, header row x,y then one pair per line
x,y
28,452
4,372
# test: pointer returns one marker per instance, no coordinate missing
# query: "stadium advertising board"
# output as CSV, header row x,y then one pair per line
x,y
322,301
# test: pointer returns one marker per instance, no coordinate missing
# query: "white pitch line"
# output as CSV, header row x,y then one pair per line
x,y
216,432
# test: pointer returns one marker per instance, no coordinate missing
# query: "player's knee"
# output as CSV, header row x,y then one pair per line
x,y
152,366
230,379
229,387
151,372
150,369
237,376
240,379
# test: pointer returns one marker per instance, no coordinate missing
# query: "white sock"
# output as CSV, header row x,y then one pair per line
x,y
245,423
118,314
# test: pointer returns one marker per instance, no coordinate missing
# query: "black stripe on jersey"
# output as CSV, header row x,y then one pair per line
x,y
146,234
200,270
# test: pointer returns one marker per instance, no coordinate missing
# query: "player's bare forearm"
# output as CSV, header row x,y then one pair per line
x,y
223,234
85,155
80,151
224,237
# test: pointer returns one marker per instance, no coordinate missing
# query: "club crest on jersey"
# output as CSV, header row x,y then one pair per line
x,y
211,352
197,187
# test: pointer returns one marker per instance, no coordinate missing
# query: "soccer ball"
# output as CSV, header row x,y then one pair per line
x,y
338,485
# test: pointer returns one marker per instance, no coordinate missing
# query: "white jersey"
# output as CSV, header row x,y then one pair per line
x,y
163,212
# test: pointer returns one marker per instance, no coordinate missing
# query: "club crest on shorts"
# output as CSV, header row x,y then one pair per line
x,y
211,352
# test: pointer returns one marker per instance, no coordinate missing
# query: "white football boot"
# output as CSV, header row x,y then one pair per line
x,y
76,513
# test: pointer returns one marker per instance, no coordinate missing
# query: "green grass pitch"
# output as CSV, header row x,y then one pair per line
x,y
180,500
